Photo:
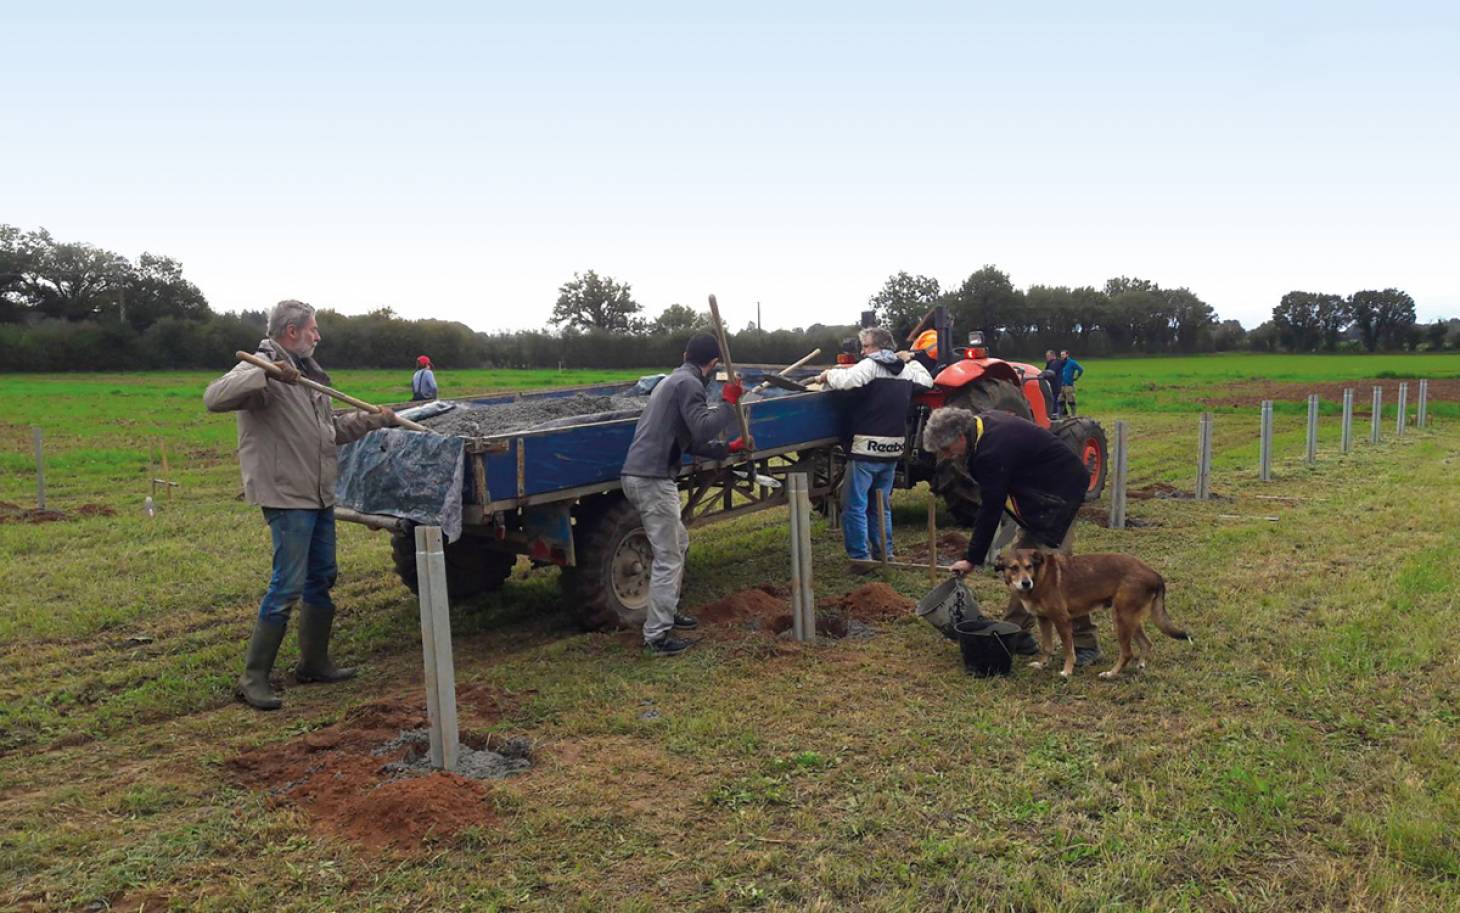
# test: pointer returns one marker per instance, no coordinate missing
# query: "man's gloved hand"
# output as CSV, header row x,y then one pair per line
x,y
737,445
961,566
732,391
288,374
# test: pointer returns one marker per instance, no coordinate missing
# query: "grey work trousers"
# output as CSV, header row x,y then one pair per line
x,y
657,501
1084,626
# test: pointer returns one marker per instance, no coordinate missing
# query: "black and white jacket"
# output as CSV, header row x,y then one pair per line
x,y
879,422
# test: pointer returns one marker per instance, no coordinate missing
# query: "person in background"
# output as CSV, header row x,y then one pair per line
x,y
884,381
1011,458
423,382
677,420
1072,372
925,350
287,440
1054,370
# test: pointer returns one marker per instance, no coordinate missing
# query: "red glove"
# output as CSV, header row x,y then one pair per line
x,y
731,392
737,445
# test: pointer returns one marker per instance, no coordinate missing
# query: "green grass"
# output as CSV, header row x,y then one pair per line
x,y
1298,755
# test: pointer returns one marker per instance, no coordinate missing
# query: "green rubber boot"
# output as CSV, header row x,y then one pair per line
x,y
253,688
314,648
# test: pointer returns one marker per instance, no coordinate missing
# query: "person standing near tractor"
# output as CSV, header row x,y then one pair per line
x,y
677,420
884,380
287,440
1071,372
1011,458
1054,373
423,382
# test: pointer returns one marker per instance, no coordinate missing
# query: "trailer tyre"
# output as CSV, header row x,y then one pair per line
x,y
1087,439
989,394
471,568
609,586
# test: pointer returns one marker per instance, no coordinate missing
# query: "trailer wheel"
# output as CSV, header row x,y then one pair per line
x,y
988,394
1087,439
471,568
609,586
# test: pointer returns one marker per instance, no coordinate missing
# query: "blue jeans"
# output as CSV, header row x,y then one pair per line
x,y
304,561
859,512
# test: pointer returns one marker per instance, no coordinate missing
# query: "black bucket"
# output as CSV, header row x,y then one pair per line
x,y
987,646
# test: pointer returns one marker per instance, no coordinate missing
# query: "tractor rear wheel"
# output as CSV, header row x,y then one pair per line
x,y
609,585
988,394
1087,439
471,568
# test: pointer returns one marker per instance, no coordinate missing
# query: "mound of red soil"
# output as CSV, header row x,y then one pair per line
x,y
1100,516
338,776
1158,490
744,605
871,602
951,547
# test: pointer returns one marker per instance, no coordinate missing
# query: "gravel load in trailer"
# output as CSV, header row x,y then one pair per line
x,y
467,419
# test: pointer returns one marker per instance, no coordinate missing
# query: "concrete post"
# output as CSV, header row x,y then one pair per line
x,y
436,646
1347,443
1265,445
1378,408
803,600
1312,456
1204,458
40,469
1117,492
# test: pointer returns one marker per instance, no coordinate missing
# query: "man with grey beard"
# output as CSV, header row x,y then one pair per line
x,y
287,439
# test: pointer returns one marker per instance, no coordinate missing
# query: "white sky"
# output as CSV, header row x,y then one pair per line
x,y
463,161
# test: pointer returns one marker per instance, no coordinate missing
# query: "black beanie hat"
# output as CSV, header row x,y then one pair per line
x,y
700,349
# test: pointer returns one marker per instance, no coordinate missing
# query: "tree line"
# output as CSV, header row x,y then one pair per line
x,y
70,306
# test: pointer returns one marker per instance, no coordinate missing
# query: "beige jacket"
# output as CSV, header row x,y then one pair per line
x,y
287,434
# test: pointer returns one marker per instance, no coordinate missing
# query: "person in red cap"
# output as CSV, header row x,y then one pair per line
x,y
423,382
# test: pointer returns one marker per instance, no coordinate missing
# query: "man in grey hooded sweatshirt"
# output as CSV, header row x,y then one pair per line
x,y
677,420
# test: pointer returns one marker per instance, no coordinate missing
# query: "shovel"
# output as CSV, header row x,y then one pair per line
x,y
785,383
774,380
360,404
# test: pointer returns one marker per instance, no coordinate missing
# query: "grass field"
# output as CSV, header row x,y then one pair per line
x,y
1298,755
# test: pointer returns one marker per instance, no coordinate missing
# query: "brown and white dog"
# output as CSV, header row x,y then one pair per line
x,y
1056,588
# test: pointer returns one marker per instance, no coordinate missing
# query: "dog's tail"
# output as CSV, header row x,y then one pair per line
x,y
1162,620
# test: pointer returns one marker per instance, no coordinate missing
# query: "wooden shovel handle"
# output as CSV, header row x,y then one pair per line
x,y
273,371
745,437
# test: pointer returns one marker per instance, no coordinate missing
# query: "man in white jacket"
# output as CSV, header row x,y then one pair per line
x,y
885,381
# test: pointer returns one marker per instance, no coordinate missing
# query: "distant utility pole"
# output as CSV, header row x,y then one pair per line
x,y
758,327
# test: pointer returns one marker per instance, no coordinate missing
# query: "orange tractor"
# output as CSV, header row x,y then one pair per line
x,y
968,378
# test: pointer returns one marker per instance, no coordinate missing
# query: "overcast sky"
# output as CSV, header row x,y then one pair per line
x,y
463,161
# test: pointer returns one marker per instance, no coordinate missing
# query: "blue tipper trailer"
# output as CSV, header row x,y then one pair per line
x,y
553,494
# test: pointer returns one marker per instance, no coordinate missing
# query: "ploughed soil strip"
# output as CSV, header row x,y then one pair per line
x,y
14,513
1252,393
367,779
